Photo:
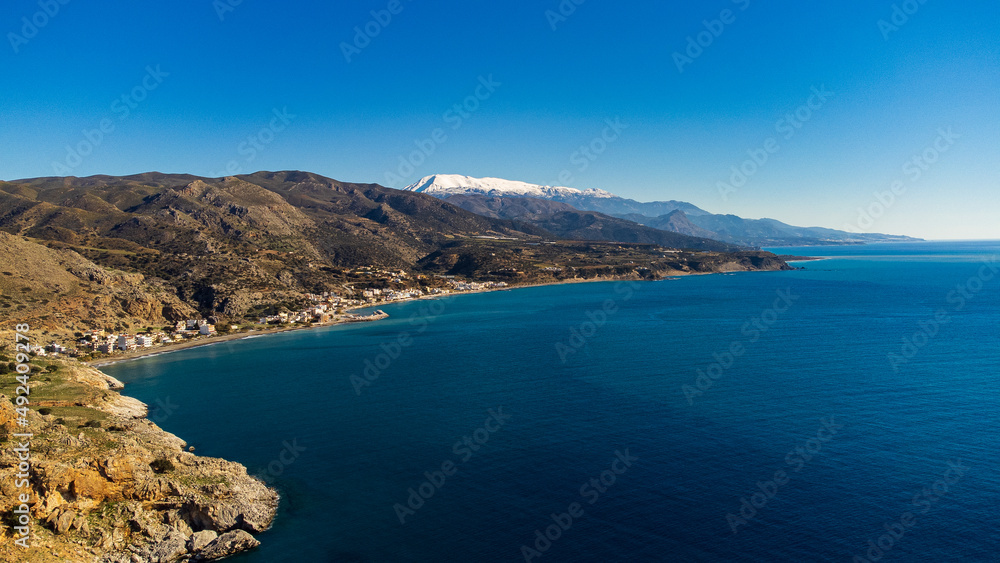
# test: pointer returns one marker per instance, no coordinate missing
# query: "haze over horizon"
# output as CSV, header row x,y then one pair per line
x,y
515,91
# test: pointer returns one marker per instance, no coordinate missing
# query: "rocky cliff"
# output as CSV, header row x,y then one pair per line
x,y
110,486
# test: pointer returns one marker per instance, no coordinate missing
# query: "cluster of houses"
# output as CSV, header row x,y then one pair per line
x,y
325,305
476,286
324,308
320,313
376,295
99,340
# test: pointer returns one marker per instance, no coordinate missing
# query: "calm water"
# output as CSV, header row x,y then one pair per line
x,y
809,345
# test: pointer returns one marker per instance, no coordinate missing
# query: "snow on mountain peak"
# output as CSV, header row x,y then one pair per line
x,y
453,184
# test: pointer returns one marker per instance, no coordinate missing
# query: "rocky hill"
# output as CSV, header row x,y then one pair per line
x,y
126,253
103,251
563,261
676,221
59,290
110,486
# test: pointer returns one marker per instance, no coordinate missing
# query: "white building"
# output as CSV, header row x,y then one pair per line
x,y
126,342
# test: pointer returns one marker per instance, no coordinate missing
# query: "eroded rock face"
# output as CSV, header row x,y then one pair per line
x,y
199,540
172,548
243,503
227,544
98,498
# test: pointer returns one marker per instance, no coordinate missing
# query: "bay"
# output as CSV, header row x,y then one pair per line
x,y
710,382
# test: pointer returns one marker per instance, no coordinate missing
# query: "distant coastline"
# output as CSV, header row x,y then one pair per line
x,y
788,258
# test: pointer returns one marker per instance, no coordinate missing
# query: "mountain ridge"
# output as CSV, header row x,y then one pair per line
x,y
566,221
658,214
157,248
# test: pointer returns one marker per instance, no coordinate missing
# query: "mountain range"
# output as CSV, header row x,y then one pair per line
x,y
481,195
121,251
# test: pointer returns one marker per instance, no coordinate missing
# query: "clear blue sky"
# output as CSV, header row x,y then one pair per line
x,y
685,130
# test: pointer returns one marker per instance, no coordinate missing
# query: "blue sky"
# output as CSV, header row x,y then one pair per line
x,y
212,88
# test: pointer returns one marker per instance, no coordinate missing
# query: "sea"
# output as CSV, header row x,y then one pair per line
x,y
845,411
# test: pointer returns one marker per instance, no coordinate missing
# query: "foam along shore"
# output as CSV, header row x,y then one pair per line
x,y
790,258
216,339
352,317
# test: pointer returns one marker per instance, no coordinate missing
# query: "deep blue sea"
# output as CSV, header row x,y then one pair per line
x,y
848,411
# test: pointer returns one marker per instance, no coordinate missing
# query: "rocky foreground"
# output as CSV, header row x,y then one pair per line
x,y
110,486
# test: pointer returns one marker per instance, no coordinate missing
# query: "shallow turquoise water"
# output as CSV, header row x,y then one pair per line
x,y
584,371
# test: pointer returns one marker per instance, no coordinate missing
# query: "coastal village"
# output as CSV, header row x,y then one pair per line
x,y
323,309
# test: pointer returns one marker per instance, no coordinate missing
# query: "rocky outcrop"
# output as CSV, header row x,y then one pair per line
x,y
227,544
123,491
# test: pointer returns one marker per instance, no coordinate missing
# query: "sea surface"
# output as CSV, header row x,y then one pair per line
x,y
773,417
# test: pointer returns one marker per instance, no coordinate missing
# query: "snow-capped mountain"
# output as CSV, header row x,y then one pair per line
x,y
662,215
443,185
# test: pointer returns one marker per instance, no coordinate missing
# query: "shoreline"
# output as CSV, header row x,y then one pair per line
x,y
176,347
798,260
149,352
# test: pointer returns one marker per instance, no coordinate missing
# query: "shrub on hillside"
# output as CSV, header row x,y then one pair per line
x,y
162,465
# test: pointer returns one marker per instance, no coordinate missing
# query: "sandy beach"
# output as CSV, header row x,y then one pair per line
x,y
197,342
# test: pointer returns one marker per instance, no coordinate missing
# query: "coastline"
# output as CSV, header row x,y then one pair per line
x,y
149,352
804,259
198,343
246,540
137,490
